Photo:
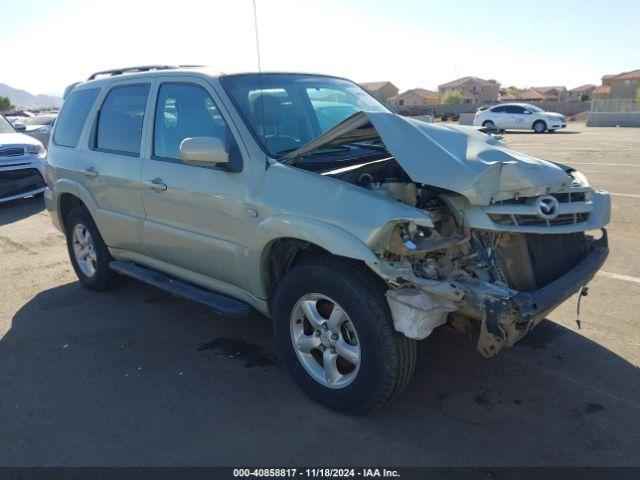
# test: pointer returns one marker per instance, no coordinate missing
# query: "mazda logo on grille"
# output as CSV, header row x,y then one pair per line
x,y
547,207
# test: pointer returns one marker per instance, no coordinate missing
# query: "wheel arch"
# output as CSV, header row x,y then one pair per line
x,y
284,242
539,120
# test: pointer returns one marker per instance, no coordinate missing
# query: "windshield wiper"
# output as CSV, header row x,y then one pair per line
x,y
323,147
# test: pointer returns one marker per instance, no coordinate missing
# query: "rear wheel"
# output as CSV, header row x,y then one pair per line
x,y
335,334
488,124
539,126
89,254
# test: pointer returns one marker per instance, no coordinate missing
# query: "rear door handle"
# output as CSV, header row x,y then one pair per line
x,y
91,172
156,185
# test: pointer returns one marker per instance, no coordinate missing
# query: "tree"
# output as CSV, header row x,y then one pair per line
x,y
452,97
584,97
513,90
5,104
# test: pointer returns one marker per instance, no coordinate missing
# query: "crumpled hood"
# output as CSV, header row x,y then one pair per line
x,y
457,158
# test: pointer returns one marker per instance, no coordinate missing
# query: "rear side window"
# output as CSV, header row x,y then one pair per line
x,y
73,116
498,110
119,128
514,109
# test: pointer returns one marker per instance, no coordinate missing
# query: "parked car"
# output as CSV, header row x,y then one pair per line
x,y
40,127
358,231
21,163
521,116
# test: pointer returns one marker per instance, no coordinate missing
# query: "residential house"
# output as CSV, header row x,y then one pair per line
x,y
415,97
473,89
543,94
620,87
381,90
576,94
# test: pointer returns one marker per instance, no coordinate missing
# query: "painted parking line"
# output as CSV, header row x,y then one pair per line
x,y
624,195
606,164
617,276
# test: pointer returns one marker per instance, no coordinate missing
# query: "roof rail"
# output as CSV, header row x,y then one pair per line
x,y
120,71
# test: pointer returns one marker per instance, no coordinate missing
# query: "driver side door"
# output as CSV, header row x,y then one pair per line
x,y
194,215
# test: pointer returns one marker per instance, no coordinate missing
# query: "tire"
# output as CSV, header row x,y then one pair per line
x,y
100,277
539,126
386,358
488,123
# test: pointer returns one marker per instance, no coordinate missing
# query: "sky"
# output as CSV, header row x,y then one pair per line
x,y
47,44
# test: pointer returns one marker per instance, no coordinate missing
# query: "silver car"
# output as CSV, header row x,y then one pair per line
x,y
358,231
40,127
22,161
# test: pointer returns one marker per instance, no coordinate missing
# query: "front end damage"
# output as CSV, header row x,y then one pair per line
x,y
498,238
477,289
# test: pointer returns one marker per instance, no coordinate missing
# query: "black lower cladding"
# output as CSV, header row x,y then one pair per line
x,y
16,182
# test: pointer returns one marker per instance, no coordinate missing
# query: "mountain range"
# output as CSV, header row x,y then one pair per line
x,y
24,99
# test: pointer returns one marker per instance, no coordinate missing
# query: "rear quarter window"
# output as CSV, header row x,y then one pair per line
x,y
73,117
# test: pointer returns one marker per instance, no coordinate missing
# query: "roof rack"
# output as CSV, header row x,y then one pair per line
x,y
143,68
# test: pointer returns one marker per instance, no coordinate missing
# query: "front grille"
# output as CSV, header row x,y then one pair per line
x,y
12,152
16,182
520,212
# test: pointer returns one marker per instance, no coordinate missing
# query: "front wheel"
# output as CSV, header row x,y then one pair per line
x,y
335,334
539,126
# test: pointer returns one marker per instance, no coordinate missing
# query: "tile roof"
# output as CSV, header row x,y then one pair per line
x,y
633,74
582,88
422,92
531,94
602,90
375,85
463,80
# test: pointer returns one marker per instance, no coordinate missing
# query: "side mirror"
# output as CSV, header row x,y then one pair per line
x,y
527,112
203,152
21,127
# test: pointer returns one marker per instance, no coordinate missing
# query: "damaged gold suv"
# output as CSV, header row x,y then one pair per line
x,y
356,230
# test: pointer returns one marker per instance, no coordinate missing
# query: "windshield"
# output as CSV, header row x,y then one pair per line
x,y
40,120
286,111
533,108
5,126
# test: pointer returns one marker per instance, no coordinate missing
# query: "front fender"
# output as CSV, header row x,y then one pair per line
x,y
325,235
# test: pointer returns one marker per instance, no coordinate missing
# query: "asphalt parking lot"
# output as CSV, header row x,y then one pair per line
x,y
137,377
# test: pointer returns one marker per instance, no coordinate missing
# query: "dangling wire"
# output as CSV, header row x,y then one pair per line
x,y
584,291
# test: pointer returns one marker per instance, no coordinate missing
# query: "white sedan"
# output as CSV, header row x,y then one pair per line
x,y
519,116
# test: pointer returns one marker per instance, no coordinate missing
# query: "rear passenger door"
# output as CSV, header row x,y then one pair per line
x,y
195,216
498,116
515,117
110,167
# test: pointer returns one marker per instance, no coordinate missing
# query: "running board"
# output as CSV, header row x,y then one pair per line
x,y
220,304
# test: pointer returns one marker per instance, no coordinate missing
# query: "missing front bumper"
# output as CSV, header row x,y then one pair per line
x,y
507,319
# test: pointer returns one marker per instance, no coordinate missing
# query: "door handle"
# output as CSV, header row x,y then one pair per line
x,y
156,185
91,172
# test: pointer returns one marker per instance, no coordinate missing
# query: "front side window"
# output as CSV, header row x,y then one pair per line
x,y
286,111
73,116
183,111
119,128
